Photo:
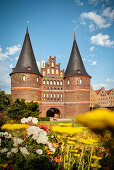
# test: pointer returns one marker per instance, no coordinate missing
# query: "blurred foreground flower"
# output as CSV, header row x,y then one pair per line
x,y
99,119
66,130
14,126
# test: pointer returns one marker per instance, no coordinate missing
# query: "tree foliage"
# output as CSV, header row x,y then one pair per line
x,y
97,106
19,109
5,100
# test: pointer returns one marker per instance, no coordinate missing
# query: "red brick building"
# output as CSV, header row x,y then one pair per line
x,y
59,93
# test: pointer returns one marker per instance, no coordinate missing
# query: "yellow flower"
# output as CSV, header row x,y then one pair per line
x,y
65,124
88,141
73,150
70,142
77,155
66,130
97,119
72,138
15,126
3,165
95,165
96,157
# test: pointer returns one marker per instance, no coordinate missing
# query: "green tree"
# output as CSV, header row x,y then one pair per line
x,y
5,100
19,109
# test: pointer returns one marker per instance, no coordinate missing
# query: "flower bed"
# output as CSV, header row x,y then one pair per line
x,y
41,145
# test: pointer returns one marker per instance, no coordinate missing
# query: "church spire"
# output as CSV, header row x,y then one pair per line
x,y
74,36
75,65
26,62
27,29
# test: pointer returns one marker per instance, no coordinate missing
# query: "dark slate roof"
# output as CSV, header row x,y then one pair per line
x,y
26,62
75,65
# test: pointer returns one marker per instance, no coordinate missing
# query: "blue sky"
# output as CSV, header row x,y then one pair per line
x,y
51,27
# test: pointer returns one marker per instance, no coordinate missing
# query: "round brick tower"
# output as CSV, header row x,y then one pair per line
x,y
76,85
25,77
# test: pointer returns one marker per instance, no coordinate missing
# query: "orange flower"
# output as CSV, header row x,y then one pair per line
x,y
56,159
48,152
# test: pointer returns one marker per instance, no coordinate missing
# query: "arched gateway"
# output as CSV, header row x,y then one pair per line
x,y
53,112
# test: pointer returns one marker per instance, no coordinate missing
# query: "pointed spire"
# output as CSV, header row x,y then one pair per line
x,y
27,29
75,65
26,62
74,36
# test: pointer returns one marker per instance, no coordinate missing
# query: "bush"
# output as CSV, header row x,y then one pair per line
x,y
5,100
19,109
43,119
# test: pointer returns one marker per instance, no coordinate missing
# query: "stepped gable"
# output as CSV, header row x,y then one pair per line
x,y
26,62
75,65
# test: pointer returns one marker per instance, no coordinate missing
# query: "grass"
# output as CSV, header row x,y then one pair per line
x,y
57,122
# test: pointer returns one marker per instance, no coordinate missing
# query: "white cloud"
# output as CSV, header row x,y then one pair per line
x,y
13,50
3,56
79,2
102,40
96,2
11,66
108,13
94,63
91,27
97,19
92,48
97,86
109,80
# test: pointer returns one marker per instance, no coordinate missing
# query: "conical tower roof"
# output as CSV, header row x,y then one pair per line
x,y
26,62
75,65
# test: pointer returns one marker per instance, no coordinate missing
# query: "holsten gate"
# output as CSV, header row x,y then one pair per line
x,y
59,94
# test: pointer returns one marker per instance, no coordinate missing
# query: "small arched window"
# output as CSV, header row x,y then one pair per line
x,y
52,71
52,64
54,95
51,82
24,78
80,81
54,82
44,82
43,73
58,82
48,71
37,79
56,71
61,83
47,82
51,95
68,82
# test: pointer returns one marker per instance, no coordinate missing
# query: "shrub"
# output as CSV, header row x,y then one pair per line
x,y
43,119
19,109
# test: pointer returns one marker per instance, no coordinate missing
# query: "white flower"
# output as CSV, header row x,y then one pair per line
x,y
4,150
24,151
39,151
17,141
24,120
5,134
34,120
8,154
29,119
14,150
51,148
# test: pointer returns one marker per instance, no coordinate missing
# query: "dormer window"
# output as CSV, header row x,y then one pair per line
x,y
29,68
78,71
24,77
